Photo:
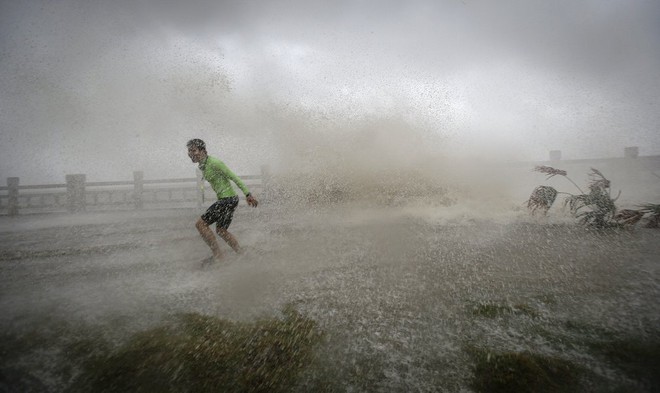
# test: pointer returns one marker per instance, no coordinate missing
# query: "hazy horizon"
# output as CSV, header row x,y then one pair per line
x,y
107,88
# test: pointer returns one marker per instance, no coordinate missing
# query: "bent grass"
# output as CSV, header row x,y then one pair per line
x,y
633,360
200,353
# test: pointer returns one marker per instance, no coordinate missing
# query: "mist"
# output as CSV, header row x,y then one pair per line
x,y
391,249
108,88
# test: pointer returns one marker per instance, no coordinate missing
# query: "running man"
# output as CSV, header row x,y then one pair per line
x,y
221,212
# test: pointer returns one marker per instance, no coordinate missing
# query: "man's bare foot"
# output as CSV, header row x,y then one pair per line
x,y
211,260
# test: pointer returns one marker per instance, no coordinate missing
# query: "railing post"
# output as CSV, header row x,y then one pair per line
x,y
12,193
200,188
75,192
138,187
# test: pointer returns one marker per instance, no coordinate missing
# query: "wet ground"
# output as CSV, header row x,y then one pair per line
x,y
403,294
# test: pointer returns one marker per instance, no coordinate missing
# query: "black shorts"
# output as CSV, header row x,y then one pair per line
x,y
221,212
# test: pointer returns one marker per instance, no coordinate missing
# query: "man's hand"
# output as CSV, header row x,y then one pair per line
x,y
252,201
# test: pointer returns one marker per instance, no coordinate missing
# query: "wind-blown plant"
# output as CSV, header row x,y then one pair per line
x,y
653,212
596,208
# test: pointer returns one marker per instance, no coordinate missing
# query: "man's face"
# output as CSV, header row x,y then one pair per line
x,y
195,154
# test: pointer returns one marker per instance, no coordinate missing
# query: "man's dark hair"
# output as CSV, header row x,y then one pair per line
x,y
198,143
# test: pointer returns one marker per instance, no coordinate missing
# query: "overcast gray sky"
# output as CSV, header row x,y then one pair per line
x,y
108,87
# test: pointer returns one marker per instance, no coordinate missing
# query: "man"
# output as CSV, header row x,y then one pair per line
x,y
221,212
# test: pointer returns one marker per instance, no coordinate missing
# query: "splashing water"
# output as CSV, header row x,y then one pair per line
x,y
405,295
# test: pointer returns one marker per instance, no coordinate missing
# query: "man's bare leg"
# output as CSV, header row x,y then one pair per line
x,y
209,238
230,239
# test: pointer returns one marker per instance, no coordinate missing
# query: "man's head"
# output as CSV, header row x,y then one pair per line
x,y
196,150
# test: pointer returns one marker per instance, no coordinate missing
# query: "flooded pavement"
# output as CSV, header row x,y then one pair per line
x,y
405,296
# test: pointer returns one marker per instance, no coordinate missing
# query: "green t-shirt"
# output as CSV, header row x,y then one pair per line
x,y
218,175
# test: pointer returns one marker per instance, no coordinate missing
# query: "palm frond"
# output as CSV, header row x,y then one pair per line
x,y
628,217
597,173
653,212
652,208
596,218
576,202
598,180
542,199
550,171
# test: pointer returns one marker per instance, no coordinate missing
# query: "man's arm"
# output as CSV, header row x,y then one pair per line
x,y
251,200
